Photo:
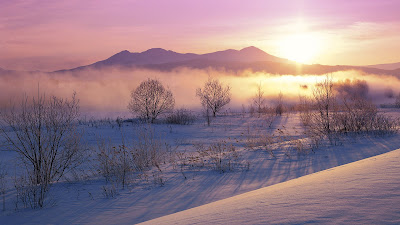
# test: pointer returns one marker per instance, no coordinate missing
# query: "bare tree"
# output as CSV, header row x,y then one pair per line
x,y
214,96
279,105
151,99
258,99
397,103
325,102
44,134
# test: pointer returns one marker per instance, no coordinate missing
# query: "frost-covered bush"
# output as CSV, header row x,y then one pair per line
x,y
148,149
220,156
333,111
118,164
181,116
109,191
115,163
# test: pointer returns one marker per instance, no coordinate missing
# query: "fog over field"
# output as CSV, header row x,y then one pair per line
x,y
108,90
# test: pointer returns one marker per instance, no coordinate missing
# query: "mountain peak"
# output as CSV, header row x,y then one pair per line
x,y
119,56
155,50
252,49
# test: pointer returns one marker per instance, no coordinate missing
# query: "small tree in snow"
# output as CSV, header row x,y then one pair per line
x,y
214,96
151,99
44,135
259,99
325,102
279,105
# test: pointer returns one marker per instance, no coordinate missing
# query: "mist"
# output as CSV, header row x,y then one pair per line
x,y
107,92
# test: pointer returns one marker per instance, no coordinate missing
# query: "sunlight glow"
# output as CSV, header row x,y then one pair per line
x,y
300,44
303,47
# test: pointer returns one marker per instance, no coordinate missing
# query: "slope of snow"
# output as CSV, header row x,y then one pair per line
x,y
363,192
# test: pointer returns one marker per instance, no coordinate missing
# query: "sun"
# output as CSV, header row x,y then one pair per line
x,y
300,47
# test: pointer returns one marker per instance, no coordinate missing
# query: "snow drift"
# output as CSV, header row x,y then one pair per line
x,y
363,192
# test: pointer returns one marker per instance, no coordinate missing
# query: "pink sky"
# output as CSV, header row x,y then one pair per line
x,y
50,34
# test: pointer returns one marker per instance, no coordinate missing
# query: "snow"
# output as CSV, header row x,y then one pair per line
x,y
363,192
82,201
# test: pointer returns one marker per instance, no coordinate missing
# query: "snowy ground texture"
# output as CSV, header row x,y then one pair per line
x,y
344,194
362,192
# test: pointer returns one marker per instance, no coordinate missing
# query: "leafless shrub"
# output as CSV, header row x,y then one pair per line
x,y
256,139
158,178
3,184
325,102
188,160
109,191
25,193
45,136
119,164
305,110
278,142
119,121
269,117
259,99
279,108
179,159
251,110
214,96
115,163
221,156
340,109
397,102
243,111
151,99
181,116
149,150
358,114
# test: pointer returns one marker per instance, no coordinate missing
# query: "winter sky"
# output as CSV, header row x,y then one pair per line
x,y
50,34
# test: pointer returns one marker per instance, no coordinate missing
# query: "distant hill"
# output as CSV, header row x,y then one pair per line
x,y
4,71
250,58
159,56
387,66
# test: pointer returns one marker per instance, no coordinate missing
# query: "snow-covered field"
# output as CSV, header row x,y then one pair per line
x,y
82,201
362,192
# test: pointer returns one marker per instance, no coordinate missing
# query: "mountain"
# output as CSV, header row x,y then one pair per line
x,y
234,61
7,72
387,66
159,56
